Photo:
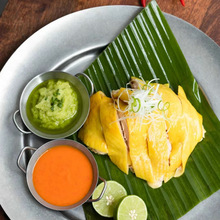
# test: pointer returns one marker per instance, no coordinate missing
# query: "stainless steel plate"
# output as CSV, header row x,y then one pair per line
x,y
70,44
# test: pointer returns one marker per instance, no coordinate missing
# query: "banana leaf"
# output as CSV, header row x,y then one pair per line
x,y
148,48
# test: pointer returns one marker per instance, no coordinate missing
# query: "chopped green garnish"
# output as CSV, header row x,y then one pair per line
x,y
164,106
55,101
56,93
158,105
52,101
136,105
60,105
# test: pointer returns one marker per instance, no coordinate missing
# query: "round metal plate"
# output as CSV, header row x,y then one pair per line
x,y
70,44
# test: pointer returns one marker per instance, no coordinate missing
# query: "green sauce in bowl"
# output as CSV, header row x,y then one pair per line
x,y
53,106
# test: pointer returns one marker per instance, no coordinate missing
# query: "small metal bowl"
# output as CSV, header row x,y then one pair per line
x,y
36,155
84,96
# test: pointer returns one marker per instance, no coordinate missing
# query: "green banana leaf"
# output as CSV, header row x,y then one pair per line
x,y
148,48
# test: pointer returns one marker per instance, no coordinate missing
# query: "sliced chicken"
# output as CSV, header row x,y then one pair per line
x,y
138,150
194,131
91,133
156,148
117,148
175,128
159,150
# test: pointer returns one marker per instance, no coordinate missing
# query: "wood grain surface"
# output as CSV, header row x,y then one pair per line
x,y
21,18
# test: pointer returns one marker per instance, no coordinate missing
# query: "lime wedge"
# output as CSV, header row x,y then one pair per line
x,y
114,193
132,208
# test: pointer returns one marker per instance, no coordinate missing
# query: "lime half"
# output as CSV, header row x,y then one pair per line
x,y
111,198
132,208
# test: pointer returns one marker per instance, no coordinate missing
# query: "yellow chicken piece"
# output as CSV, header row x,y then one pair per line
x,y
141,163
175,125
194,131
117,148
173,155
159,150
91,133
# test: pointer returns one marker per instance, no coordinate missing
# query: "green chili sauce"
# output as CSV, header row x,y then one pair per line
x,y
53,106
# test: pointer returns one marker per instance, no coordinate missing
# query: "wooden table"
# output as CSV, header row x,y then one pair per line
x,y
21,18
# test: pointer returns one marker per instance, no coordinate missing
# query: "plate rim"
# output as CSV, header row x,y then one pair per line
x,y
95,8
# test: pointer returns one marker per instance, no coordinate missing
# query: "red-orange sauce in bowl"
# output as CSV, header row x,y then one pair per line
x,y
63,175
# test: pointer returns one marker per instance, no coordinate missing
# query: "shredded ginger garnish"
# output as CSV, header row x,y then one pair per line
x,y
144,103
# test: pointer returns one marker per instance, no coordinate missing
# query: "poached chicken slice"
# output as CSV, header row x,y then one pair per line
x,y
117,148
194,131
91,133
138,150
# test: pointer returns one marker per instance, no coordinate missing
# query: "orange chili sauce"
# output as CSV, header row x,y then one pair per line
x,y
62,176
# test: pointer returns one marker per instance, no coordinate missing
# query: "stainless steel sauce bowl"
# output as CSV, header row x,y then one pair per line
x,y
44,77
36,155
